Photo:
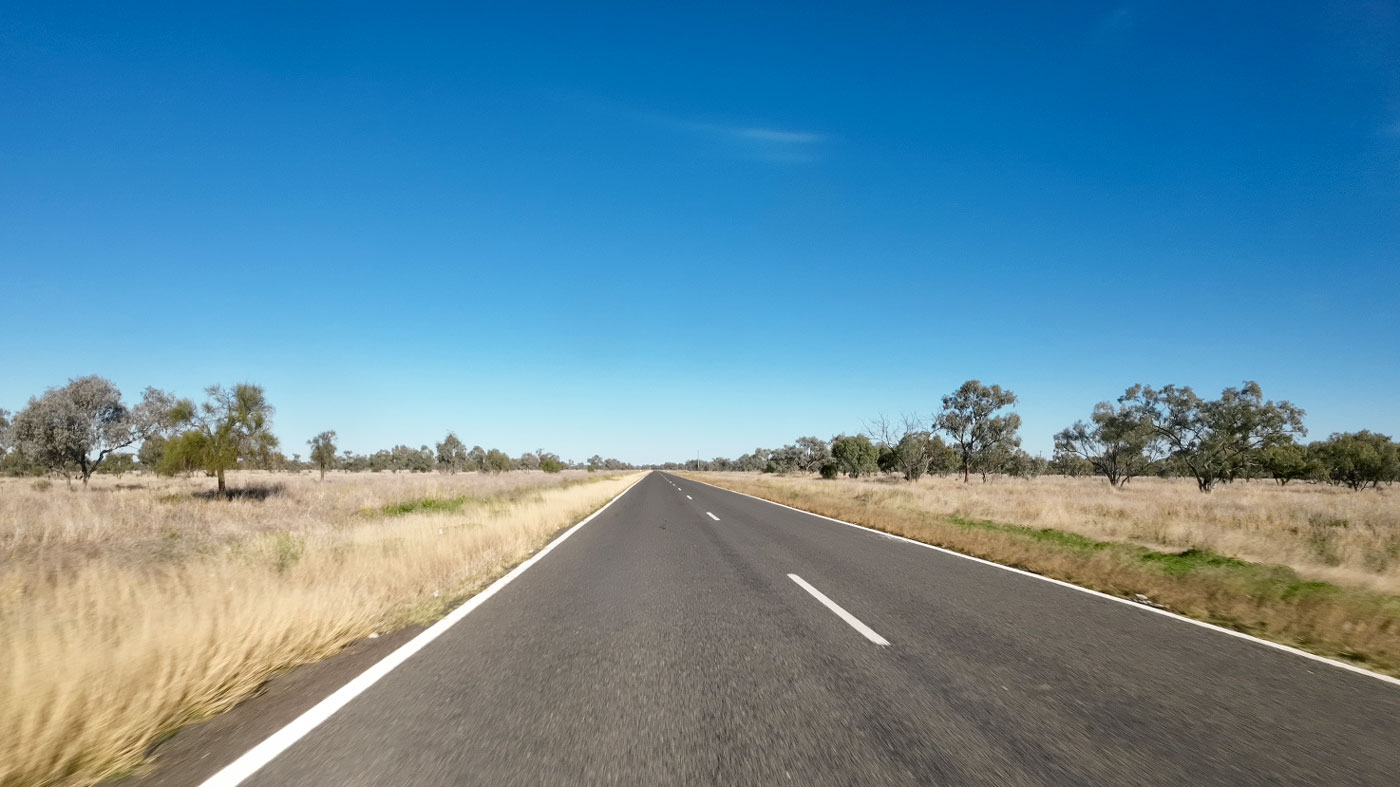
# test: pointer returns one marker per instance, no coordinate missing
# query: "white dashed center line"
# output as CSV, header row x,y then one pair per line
x,y
855,623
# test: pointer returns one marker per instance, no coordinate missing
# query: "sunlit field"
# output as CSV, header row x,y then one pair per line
x,y
138,605
1312,565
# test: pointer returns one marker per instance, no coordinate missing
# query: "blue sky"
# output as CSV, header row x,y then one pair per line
x,y
649,232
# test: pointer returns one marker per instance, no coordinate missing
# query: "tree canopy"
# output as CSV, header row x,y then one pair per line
x,y
232,424
1209,438
1118,443
855,455
451,454
1359,459
982,439
72,429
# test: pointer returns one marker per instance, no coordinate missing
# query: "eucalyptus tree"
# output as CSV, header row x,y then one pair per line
x,y
1359,459
497,461
451,454
1286,460
812,453
1118,443
1210,438
983,439
75,427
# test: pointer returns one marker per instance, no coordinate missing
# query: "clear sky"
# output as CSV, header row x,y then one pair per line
x,y
650,231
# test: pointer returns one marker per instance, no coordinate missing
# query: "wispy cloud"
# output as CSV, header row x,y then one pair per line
x,y
780,135
754,142
765,142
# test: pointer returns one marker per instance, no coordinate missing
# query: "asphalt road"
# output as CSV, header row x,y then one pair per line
x,y
665,642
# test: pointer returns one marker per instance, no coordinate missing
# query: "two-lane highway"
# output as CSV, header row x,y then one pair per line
x,y
692,635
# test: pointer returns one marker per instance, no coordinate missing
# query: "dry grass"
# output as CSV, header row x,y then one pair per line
x,y
1312,566
134,607
1325,533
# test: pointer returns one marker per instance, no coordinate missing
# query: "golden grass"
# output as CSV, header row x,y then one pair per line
x,y
132,608
1312,566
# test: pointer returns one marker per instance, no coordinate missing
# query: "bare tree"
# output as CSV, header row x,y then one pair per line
x,y
885,430
908,447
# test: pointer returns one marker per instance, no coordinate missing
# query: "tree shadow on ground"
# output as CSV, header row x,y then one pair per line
x,y
256,492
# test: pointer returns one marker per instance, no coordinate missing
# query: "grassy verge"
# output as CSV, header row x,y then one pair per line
x,y
125,645
1266,600
453,505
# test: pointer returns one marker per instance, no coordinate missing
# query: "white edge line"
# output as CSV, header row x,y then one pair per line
x,y
1082,589
712,516
255,758
852,620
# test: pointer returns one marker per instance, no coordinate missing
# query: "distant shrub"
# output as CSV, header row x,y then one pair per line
x,y
830,470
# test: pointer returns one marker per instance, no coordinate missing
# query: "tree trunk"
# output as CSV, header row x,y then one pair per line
x,y
223,488
323,473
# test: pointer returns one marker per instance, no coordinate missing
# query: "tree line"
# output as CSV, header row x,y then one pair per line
x,y
86,427
1169,431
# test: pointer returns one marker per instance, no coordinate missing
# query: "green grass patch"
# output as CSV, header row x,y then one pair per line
x,y
1045,535
1257,579
1195,560
435,505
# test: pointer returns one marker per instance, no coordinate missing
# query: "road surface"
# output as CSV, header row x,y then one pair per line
x,y
690,635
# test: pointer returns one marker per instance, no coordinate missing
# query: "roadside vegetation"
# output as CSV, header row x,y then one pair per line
x,y
86,427
1214,508
137,606
1167,432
